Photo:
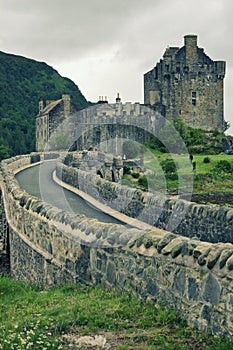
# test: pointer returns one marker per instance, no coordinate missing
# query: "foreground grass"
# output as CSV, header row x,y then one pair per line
x,y
40,319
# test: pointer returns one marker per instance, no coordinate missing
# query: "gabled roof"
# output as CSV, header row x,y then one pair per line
x,y
50,107
170,51
203,58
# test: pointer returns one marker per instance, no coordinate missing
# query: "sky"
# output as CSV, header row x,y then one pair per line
x,y
105,46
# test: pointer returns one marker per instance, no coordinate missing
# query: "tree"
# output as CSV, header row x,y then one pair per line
x,y
4,152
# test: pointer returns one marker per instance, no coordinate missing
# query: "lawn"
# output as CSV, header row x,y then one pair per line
x,y
211,175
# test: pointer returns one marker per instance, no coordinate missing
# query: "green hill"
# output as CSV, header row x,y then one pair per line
x,y
23,82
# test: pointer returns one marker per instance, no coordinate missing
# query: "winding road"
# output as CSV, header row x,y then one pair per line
x,y
38,182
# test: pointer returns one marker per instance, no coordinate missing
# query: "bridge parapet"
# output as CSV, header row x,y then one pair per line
x,y
205,222
50,246
98,163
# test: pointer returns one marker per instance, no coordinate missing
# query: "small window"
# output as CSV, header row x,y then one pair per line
x,y
194,96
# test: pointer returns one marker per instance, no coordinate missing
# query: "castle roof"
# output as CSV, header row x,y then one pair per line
x,y
170,51
50,106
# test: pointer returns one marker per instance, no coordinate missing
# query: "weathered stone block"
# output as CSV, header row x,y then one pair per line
x,y
193,292
212,290
180,281
111,273
152,287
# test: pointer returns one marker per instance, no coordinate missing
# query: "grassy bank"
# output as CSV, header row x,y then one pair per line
x,y
54,318
212,174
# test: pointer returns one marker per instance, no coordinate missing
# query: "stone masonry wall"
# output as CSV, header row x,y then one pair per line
x,y
4,253
205,222
50,246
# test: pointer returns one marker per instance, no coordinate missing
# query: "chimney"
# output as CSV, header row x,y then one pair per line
x,y
41,106
190,42
102,99
118,99
66,104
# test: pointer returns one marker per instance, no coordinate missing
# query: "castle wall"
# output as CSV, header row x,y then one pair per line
x,y
49,246
42,132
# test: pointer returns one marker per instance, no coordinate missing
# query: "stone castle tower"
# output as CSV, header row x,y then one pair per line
x,y
187,84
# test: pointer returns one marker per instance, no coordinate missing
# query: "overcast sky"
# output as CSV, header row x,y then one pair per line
x,y
105,46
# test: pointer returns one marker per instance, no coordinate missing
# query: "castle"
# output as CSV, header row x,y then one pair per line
x,y
187,84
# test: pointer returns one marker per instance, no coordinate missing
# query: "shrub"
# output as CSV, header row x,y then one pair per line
x,y
168,166
206,160
224,166
143,181
172,176
135,175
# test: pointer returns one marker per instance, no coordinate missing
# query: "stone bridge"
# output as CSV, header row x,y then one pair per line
x,y
46,245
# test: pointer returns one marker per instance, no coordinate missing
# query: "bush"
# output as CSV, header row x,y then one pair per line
x,y
172,176
168,166
143,181
135,175
224,166
206,160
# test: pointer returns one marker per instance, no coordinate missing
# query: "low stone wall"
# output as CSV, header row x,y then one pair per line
x,y
4,253
50,246
106,165
206,222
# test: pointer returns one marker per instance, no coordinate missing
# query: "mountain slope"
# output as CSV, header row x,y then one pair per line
x,y
23,82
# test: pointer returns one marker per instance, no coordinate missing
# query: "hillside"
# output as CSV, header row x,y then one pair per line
x,y
23,82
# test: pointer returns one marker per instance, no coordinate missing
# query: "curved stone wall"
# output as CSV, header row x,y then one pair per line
x,y
50,246
206,222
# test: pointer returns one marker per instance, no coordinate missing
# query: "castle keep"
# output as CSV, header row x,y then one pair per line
x,y
187,84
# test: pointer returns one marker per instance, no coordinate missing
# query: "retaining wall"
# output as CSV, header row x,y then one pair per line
x,y
50,246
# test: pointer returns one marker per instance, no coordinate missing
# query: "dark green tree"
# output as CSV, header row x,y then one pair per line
x,y
4,152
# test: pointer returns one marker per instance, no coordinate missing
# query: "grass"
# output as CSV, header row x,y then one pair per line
x,y
205,178
37,318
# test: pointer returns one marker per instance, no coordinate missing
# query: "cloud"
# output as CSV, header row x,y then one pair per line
x,y
109,45
63,28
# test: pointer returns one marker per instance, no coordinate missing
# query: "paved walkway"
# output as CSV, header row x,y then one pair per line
x,y
104,208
